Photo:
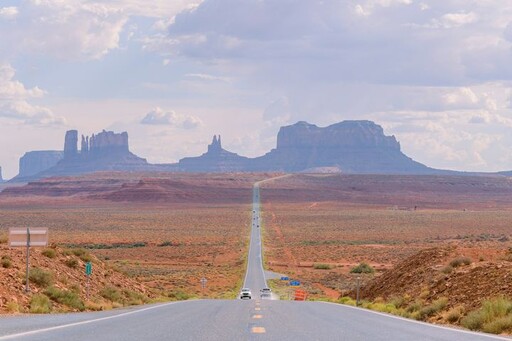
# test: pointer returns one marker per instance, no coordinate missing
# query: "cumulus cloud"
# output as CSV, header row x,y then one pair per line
x,y
14,105
158,116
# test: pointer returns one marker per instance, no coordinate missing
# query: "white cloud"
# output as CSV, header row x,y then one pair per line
x,y
14,103
8,12
206,77
157,116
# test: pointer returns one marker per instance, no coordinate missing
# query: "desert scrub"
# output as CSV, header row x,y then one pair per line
x,y
447,269
71,262
12,307
362,268
495,316
433,308
40,304
322,266
460,261
82,254
166,243
67,298
50,253
134,298
111,293
40,277
454,315
179,295
347,300
6,262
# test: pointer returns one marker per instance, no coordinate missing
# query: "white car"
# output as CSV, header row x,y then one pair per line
x,y
266,294
245,293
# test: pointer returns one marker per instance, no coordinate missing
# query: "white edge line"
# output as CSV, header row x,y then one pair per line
x,y
496,337
37,331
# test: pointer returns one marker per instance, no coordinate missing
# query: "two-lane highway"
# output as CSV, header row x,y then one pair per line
x,y
231,320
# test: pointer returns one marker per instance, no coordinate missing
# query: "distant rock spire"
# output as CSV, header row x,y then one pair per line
x,y
1,178
70,144
215,146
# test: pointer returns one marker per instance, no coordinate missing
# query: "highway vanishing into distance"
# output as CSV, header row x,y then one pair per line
x,y
230,319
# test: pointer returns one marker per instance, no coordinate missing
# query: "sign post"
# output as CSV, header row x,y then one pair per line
x,y
27,237
203,285
357,291
88,273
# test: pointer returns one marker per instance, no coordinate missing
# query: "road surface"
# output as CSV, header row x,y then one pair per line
x,y
231,320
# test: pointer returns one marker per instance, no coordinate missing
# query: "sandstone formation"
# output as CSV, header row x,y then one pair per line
x,y
37,161
350,146
358,147
216,159
100,152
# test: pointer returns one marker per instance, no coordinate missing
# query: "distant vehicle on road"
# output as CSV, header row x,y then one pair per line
x,y
245,293
266,294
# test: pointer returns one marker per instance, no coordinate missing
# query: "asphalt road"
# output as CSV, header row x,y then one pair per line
x,y
230,320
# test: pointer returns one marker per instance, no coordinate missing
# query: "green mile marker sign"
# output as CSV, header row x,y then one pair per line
x,y
88,268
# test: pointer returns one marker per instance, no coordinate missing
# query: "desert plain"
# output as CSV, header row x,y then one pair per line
x,y
164,232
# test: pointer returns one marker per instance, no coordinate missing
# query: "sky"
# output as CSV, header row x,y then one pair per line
x,y
172,73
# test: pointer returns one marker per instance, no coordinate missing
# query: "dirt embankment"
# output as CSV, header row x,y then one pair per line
x,y
443,272
59,275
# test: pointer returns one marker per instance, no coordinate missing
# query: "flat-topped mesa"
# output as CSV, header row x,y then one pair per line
x,y
351,146
346,134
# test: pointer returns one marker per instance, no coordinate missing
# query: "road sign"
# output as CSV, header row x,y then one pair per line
x,y
88,268
294,283
27,237
284,278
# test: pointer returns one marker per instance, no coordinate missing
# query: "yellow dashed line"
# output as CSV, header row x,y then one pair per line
x,y
258,330
257,309
257,316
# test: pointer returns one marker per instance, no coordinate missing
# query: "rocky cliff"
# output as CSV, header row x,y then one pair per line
x,y
37,161
351,146
100,152
348,147
216,159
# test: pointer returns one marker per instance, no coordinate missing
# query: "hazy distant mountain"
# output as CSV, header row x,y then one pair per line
x,y
357,147
350,146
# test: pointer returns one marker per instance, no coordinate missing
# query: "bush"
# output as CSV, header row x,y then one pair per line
x,y
6,262
347,300
460,261
67,298
111,293
50,253
487,317
179,295
453,315
40,277
166,243
447,269
12,307
322,266
40,304
134,298
362,268
433,308
82,254
72,263
397,301
498,326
